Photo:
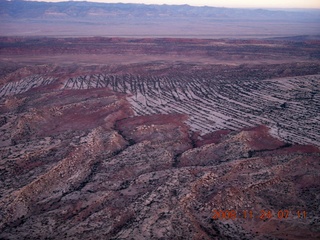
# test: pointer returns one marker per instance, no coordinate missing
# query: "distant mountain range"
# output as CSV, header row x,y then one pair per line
x,y
30,18
30,9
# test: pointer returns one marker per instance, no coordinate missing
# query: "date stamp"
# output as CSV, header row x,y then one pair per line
x,y
262,214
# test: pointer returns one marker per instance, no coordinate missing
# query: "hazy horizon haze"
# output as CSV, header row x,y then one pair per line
x,y
286,4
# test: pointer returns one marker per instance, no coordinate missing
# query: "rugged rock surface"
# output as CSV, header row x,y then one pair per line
x,y
85,154
77,164
219,84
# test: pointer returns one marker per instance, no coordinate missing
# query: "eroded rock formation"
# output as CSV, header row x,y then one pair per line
x,y
79,164
159,151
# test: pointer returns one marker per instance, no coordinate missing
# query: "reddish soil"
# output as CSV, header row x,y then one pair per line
x,y
81,163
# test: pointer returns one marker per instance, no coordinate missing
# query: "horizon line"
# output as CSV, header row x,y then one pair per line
x,y
166,4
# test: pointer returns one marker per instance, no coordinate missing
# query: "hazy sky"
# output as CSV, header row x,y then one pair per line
x,y
226,3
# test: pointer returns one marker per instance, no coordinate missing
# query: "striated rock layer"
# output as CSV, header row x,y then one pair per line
x,y
154,148
77,164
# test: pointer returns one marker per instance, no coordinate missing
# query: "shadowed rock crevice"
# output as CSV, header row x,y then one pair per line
x,y
253,153
93,170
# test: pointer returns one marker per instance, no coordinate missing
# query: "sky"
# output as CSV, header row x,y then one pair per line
x,y
225,3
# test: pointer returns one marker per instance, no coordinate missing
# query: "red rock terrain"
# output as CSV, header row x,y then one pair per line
x,y
84,154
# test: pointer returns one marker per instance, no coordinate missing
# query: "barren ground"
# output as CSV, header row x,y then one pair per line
x,y
126,138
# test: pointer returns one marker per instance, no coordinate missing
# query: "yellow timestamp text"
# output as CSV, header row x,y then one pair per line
x,y
262,214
